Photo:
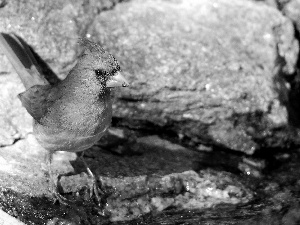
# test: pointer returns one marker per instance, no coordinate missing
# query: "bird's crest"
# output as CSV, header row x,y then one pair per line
x,y
91,46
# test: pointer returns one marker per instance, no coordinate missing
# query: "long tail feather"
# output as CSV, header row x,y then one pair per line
x,y
22,59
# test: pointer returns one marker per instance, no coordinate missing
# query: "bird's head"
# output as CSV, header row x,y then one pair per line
x,y
101,65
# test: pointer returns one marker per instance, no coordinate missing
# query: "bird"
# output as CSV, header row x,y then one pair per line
x,y
73,114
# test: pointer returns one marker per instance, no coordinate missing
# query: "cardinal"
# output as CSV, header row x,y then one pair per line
x,y
73,114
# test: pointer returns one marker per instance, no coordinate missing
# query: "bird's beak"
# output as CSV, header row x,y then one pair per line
x,y
117,80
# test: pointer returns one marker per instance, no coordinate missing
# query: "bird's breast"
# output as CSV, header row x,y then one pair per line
x,y
75,125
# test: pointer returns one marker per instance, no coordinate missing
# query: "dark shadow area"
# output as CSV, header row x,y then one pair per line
x,y
131,159
271,141
39,210
288,96
3,3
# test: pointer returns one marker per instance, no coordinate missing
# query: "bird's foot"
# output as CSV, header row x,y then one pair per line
x,y
97,194
96,189
59,198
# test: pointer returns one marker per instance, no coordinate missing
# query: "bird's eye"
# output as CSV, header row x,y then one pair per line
x,y
113,71
98,72
101,75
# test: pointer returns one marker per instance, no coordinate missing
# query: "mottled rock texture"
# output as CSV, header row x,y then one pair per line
x,y
202,72
196,67
202,65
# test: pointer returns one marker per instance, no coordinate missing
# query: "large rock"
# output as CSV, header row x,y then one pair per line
x,y
204,69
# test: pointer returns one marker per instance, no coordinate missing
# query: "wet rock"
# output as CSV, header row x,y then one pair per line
x,y
132,197
201,72
292,216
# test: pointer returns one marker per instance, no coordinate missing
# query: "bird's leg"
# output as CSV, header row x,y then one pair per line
x,y
53,183
97,191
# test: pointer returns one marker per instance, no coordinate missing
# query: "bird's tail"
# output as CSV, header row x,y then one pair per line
x,y
22,59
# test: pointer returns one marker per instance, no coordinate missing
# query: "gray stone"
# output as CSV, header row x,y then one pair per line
x,y
292,10
204,70
211,62
15,122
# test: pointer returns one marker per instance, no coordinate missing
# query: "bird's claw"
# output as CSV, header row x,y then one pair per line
x,y
57,197
96,191
62,200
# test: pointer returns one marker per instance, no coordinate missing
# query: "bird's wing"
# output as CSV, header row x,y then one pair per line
x,y
36,100
22,59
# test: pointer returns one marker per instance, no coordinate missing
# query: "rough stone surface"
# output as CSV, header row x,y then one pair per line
x,y
15,122
48,27
205,61
202,71
24,167
52,28
289,89
292,10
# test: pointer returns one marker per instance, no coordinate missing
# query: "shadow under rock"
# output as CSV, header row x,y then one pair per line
x,y
128,158
288,88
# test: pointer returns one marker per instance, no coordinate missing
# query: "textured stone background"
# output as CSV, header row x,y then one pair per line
x,y
212,76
